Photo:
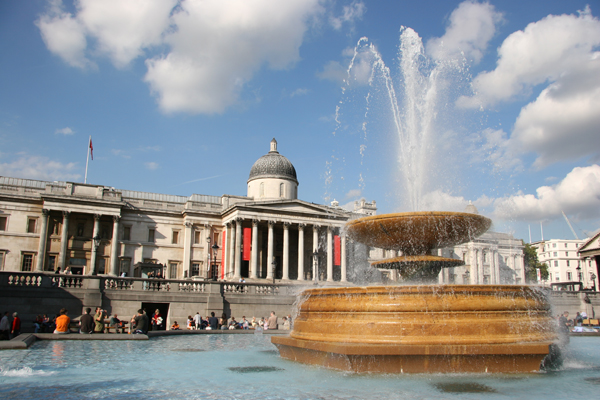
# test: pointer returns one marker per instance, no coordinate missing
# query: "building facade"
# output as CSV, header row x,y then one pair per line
x,y
562,258
92,229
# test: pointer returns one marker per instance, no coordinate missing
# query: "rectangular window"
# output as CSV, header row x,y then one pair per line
x,y
27,263
566,245
568,263
173,271
151,235
556,263
51,263
3,221
126,233
557,277
566,254
195,269
80,229
569,276
196,237
31,225
124,266
556,254
101,264
175,238
2,255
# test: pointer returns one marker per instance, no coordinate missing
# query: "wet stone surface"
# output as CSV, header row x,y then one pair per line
x,y
190,350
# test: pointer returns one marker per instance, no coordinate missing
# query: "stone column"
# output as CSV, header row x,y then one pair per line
x,y
301,252
343,250
64,241
286,251
315,249
39,265
114,247
96,233
329,254
188,233
254,250
496,268
480,267
237,274
231,240
270,251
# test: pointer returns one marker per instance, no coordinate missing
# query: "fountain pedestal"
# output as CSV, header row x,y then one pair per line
x,y
425,328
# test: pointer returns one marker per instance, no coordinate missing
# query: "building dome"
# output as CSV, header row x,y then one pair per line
x,y
273,177
273,165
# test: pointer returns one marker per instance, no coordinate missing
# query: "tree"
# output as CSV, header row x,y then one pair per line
x,y
532,264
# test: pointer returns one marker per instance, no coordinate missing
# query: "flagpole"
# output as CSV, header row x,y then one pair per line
x,y
87,160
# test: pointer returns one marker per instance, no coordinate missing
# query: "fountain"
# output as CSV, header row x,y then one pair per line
x,y
420,326
425,327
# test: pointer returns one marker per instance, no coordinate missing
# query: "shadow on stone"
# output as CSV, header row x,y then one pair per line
x,y
465,387
246,370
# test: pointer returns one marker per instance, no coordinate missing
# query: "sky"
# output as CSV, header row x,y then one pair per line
x,y
182,97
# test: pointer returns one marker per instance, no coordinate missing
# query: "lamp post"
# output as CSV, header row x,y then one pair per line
x,y
215,274
467,277
315,267
593,278
273,267
96,240
578,272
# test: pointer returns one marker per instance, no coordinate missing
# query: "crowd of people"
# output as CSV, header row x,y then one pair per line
x,y
140,323
211,322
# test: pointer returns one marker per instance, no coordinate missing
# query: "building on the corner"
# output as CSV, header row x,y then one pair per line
x,y
95,229
562,258
589,252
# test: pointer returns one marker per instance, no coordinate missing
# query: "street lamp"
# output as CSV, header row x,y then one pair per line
x,y
467,277
315,266
273,267
214,270
578,272
97,240
593,278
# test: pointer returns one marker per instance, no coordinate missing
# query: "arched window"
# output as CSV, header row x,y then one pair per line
x,y
261,190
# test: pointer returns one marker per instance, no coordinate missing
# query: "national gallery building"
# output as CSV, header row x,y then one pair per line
x,y
267,234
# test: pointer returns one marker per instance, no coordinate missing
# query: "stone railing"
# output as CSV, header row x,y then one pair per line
x,y
111,283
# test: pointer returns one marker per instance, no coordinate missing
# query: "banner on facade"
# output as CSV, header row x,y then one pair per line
x,y
246,244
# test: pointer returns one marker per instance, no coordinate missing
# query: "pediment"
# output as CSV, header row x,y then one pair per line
x,y
289,209
592,245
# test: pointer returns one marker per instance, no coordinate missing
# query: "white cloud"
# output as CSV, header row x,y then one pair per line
x,y
218,47
333,71
353,193
120,153
64,35
124,29
42,168
578,195
151,165
212,48
349,14
471,26
545,51
299,92
64,131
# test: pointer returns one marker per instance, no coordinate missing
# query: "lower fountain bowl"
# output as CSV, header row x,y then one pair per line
x,y
422,328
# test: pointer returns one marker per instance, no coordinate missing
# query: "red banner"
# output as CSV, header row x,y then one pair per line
x,y
337,250
223,254
246,244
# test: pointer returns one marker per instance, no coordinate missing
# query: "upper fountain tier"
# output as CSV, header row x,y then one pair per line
x,y
416,233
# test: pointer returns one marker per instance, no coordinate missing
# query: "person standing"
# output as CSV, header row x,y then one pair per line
x,y
63,322
157,320
16,325
5,327
99,320
273,321
197,321
86,322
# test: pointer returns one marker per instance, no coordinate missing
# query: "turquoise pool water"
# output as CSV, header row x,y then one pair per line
x,y
249,367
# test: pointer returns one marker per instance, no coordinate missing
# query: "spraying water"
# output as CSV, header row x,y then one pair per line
x,y
417,107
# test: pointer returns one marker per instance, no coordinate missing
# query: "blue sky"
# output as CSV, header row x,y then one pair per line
x,y
182,97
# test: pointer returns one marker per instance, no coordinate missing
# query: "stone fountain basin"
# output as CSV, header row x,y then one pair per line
x,y
422,328
417,232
